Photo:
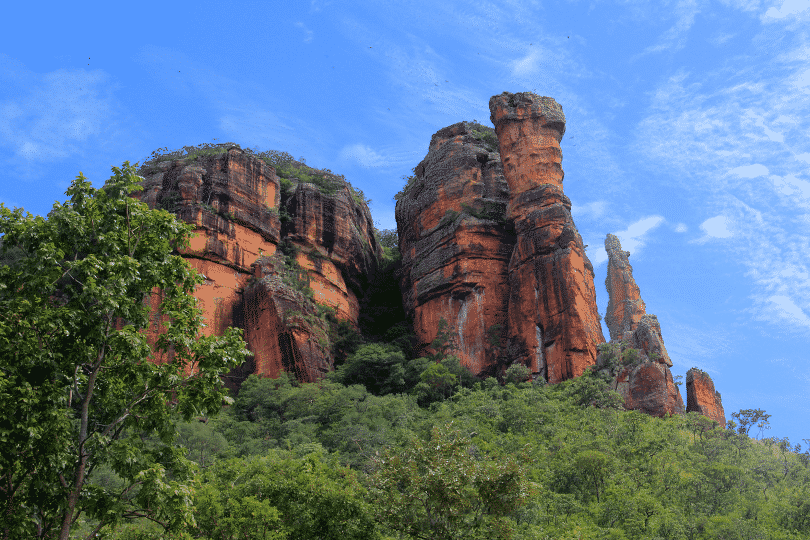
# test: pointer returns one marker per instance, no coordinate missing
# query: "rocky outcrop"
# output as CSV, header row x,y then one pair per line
x,y
648,387
636,355
282,326
456,244
553,324
627,317
335,243
701,397
236,202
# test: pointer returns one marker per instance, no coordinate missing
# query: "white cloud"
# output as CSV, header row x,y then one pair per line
x,y
592,210
363,155
681,228
804,157
716,227
789,7
787,310
750,171
632,238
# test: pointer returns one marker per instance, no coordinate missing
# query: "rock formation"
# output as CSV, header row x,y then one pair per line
x,y
553,324
236,203
636,355
455,244
701,397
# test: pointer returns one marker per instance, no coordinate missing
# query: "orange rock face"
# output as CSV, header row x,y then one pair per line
x,y
282,328
234,201
455,244
337,246
647,384
701,397
648,387
553,323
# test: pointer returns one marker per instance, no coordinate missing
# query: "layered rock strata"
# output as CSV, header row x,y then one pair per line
x,y
553,324
701,397
636,354
235,201
456,244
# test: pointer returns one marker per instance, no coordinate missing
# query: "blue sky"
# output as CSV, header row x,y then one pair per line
x,y
687,131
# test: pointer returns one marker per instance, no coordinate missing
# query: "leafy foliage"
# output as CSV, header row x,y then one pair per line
x,y
438,490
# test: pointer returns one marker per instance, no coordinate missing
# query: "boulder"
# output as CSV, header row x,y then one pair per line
x,y
648,387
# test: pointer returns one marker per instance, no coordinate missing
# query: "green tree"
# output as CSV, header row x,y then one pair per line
x,y
377,366
296,498
748,418
438,490
80,385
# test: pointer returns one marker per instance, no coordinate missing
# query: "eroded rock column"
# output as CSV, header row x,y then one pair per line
x,y
625,307
553,323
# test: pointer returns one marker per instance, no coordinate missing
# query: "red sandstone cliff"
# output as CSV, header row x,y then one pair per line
x,y
455,244
701,397
235,200
552,323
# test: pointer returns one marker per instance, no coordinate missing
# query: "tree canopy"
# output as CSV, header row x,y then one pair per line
x,y
81,385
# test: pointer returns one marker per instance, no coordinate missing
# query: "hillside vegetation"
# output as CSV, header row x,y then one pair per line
x,y
522,461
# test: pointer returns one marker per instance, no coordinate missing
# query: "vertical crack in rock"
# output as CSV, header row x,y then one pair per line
x,y
549,254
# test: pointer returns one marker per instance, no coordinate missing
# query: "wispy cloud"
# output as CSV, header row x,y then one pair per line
x,y
363,155
742,151
54,114
308,34
589,211
789,7
696,346
675,37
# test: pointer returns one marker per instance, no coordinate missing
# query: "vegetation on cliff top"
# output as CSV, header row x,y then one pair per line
x,y
289,170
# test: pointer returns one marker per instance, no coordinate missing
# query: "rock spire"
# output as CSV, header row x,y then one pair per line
x,y
553,323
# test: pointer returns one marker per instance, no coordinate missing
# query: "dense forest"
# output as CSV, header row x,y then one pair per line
x,y
390,445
